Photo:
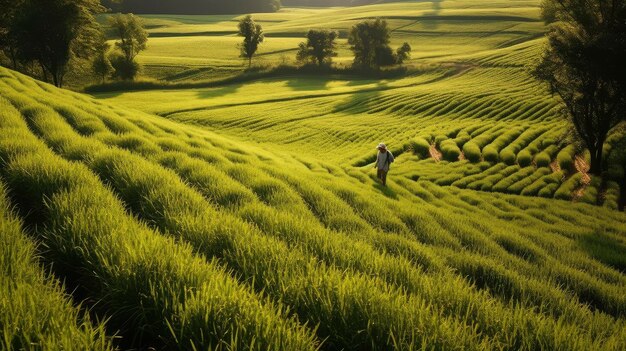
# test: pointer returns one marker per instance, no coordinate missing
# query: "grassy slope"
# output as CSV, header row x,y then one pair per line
x,y
412,265
251,200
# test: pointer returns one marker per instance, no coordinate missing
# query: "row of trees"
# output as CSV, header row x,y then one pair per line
x,y
50,37
368,40
195,7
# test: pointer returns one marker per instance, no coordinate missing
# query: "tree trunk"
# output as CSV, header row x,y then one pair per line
x,y
44,72
622,196
596,160
13,57
249,61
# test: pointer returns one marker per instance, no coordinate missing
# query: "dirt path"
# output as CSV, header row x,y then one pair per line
x,y
434,153
582,167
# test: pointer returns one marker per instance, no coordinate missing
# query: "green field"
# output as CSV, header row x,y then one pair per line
x,y
248,216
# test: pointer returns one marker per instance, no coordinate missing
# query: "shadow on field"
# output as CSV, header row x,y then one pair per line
x,y
430,22
361,102
605,249
386,190
304,84
217,92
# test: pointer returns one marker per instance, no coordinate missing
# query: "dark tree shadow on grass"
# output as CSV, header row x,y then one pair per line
x,y
605,249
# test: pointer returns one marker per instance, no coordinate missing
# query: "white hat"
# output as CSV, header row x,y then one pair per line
x,y
381,146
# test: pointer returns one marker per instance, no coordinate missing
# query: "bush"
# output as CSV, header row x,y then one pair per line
x,y
566,190
490,154
486,185
450,150
545,143
524,158
611,197
124,69
592,191
507,156
548,191
420,147
565,158
542,159
471,151
439,139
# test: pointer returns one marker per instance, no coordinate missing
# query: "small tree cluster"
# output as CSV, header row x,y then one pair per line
x,y
319,48
369,40
132,39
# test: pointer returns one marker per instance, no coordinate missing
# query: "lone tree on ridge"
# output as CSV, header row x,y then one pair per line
x,y
252,34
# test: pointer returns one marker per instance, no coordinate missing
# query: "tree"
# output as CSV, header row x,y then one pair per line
x,y
8,44
320,47
101,64
133,38
122,68
252,34
403,53
53,32
369,40
583,64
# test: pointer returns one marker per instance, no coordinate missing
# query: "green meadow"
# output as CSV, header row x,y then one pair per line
x,y
248,216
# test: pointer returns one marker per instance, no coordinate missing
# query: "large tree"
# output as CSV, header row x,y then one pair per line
x,y
320,47
53,32
252,34
584,65
369,40
8,44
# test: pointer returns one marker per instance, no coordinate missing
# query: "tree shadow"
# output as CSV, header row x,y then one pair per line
x,y
218,92
605,249
362,101
307,83
430,22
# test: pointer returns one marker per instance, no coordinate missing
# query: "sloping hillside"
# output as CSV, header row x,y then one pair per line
x,y
179,238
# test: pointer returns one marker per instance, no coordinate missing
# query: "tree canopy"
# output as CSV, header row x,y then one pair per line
x,y
53,32
584,65
369,40
320,47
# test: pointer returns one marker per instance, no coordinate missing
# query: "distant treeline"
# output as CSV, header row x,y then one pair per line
x,y
324,3
192,6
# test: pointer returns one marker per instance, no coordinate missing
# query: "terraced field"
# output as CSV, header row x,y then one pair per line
x,y
204,47
469,97
186,238
248,216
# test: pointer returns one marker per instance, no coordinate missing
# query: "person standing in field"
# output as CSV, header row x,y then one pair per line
x,y
383,162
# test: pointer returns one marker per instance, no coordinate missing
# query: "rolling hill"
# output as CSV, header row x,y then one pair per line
x,y
248,217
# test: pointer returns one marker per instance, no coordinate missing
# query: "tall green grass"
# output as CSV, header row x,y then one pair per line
x,y
35,312
154,290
